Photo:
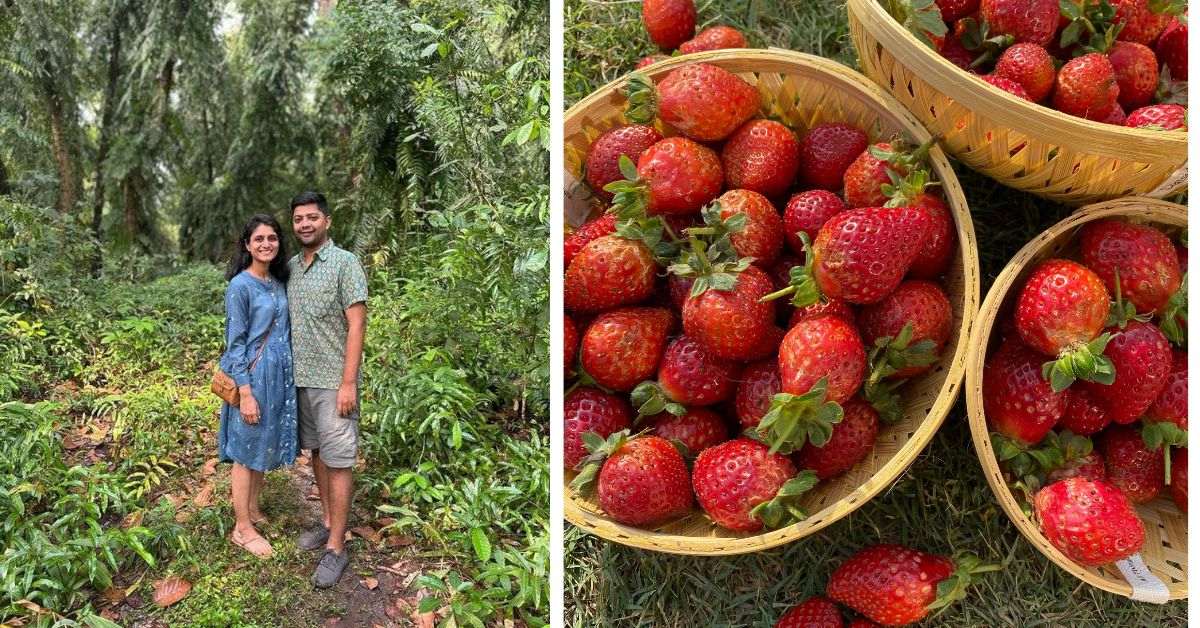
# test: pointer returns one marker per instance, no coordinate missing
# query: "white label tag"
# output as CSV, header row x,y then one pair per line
x,y
1146,586
1178,179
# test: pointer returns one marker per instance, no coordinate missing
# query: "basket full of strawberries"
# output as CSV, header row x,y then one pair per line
x,y
1077,393
1074,100
767,285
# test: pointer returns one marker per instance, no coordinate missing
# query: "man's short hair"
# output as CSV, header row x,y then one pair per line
x,y
311,198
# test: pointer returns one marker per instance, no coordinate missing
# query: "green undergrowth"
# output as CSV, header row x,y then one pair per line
x,y
941,504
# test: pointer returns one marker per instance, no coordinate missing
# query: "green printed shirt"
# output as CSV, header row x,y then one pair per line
x,y
317,300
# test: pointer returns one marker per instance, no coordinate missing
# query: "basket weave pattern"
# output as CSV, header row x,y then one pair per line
x,y
800,91
1165,549
1021,144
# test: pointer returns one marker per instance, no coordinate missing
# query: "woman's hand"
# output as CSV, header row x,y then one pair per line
x,y
248,406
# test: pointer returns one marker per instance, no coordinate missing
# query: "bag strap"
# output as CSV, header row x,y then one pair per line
x,y
263,344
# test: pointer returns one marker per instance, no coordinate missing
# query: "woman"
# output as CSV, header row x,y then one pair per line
x,y
260,433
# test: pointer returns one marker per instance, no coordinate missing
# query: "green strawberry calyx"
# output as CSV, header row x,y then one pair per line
x,y
887,357
1168,7
1091,29
1170,91
793,420
802,283
1164,435
1086,362
642,98
902,191
967,569
784,509
599,449
631,198
1030,464
922,18
650,399
1122,311
709,257
1174,317
977,38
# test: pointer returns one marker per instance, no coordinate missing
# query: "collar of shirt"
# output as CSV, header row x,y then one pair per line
x,y
321,253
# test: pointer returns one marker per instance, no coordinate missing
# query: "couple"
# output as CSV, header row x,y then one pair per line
x,y
294,338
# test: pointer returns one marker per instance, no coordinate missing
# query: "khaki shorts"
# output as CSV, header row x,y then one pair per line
x,y
321,429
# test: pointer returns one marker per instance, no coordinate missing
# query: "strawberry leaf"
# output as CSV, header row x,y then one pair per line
x,y
642,97
1174,317
793,420
1086,362
1170,91
784,509
967,569
710,257
802,285
650,399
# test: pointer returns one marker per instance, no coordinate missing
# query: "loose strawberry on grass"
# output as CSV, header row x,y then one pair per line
x,y
744,487
714,38
1091,522
639,481
815,612
702,101
669,23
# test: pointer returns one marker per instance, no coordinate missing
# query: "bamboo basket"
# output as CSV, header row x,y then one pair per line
x,y
800,90
1023,145
1165,550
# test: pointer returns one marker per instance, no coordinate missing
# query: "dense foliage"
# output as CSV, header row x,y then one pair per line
x,y
134,141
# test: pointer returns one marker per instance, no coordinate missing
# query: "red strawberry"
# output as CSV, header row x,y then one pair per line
x,y
680,176
601,167
954,10
698,428
825,153
678,288
815,612
1136,69
1090,521
923,19
1084,415
609,272
644,482
705,102
767,346
1060,311
934,258
826,347
1142,23
763,156
669,22
1008,85
737,482
1086,87
590,410
1171,404
574,242
1031,21
1017,400
570,343
649,60
622,347
921,304
1031,66
1141,359
861,255
714,38
1142,256
861,623
1171,48
730,323
1159,118
762,237
1115,115
757,385
833,307
852,439
895,585
868,173
953,51
1131,466
1089,467
1179,477
807,212
691,375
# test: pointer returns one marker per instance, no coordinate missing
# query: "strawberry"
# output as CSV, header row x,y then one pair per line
x,y
922,18
1030,66
1159,118
678,288
1018,401
1084,415
1007,84
602,166
859,622
1171,404
895,585
1090,521
825,347
1136,69
852,439
590,410
954,52
832,307
767,346
1060,311
919,304
642,481
729,323
934,258
762,236
1115,115
815,612
570,343
691,375
763,156
1144,22
650,60
714,38
1131,466
881,164
704,102
574,242
807,212
1141,257
622,347
825,153
1171,48
675,176
1089,467
1179,478
743,487
1141,359
609,272
757,385
1027,21
698,428
954,10
669,22
1086,87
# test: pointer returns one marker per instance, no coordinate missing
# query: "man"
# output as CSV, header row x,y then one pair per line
x,y
327,296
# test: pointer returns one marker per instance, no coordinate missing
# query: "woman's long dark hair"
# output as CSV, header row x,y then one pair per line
x,y
241,257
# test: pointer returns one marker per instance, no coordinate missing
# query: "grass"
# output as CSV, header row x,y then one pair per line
x,y
941,504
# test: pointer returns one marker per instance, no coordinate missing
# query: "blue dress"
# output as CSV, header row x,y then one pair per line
x,y
251,304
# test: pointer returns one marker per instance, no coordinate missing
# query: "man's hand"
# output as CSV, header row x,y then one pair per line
x,y
347,399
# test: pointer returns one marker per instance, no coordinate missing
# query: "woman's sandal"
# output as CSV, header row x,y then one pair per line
x,y
258,545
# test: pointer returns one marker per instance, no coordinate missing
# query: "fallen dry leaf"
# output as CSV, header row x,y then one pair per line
x,y
384,522
110,614
210,467
203,499
423,620
400,541
371,583
170,590
332,621
367,533
133,519
113,595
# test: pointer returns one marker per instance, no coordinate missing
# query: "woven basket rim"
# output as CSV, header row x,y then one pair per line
x,y
887,473
986,325
974,94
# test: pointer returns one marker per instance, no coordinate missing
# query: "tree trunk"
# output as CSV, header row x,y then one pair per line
x,y
63,143
131,192
5,189
106,119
